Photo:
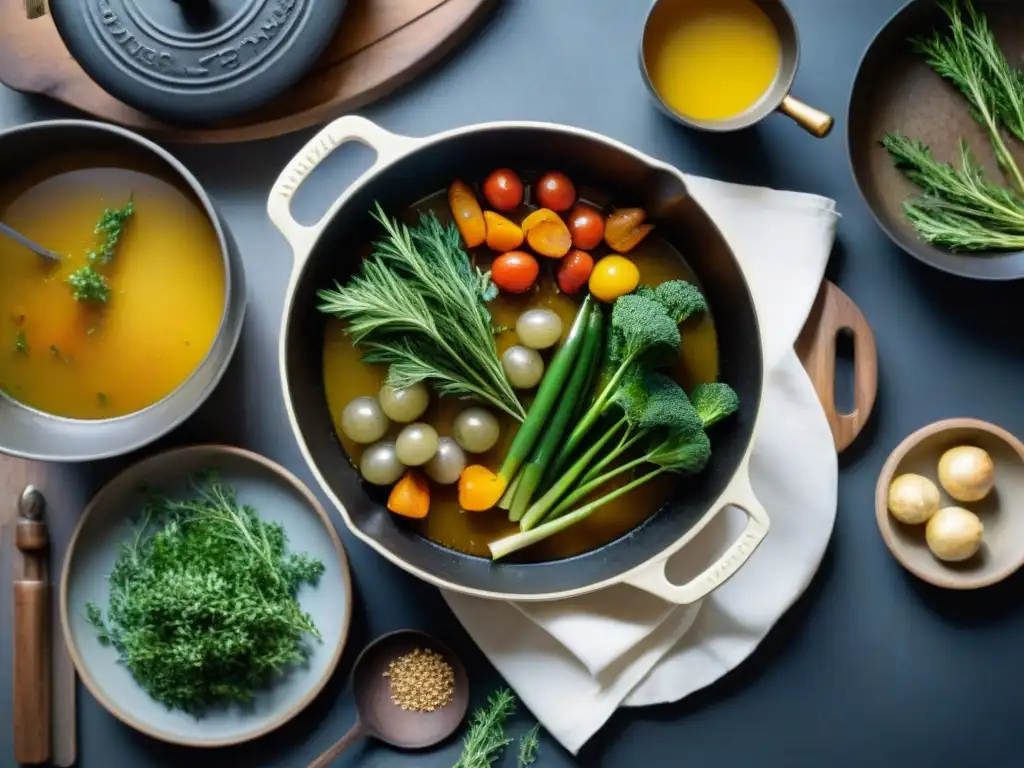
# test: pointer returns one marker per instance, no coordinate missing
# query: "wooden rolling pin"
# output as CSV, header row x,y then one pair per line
x,y
31,633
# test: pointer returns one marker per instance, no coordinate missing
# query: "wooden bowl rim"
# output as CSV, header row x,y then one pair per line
x,y
285,476
885,477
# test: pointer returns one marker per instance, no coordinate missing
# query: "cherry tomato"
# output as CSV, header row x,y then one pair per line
x,y
613,276
503,190
574,271
555,191
515,271
586,226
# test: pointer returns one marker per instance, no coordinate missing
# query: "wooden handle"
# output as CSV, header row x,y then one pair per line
x,y
31,664
834,313
328,756
814,121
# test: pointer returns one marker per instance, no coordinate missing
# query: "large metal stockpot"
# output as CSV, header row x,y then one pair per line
x,y
408,169
32,434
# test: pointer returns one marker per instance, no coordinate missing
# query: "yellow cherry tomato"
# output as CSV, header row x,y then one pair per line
x,y
614,276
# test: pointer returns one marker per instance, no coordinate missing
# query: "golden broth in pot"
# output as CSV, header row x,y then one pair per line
x,y
98,360
347,377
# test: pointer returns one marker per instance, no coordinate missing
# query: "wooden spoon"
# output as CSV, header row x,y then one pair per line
x,y
380,718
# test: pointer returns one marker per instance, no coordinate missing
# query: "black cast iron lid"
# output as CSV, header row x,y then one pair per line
x,y
196,61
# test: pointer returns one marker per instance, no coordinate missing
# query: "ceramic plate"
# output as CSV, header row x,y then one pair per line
x,y
278,497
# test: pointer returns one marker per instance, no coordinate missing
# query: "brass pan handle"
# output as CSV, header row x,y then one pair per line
x,y
814,121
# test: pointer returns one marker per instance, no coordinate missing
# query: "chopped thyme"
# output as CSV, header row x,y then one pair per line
x,y
55,351
86,283
102,398
21,343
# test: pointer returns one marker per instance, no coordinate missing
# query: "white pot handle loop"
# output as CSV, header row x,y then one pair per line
x,y
387,145
654,580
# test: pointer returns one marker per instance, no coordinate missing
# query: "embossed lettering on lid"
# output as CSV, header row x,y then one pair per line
x,y
196,61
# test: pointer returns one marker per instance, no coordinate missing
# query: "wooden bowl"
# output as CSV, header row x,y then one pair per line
x,y
1001,512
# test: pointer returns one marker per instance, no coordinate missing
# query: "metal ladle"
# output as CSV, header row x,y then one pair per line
x,y
32,246
379,717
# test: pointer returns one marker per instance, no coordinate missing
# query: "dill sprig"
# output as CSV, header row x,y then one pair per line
x,y
528,746
418,305
486,739
86,283
202,600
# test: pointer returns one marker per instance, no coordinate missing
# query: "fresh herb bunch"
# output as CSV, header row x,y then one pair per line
x,y
961,209
86,283
419,306
486,739
202,600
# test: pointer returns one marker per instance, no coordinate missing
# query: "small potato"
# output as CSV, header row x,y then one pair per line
x,y
913,499
954,534
967,473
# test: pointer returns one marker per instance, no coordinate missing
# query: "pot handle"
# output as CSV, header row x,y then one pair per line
x,y
652,578
387,145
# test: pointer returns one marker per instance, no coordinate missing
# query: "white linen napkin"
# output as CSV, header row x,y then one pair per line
x,y
573,662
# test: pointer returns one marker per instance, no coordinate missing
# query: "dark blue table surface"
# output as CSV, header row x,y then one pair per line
x,y
871,667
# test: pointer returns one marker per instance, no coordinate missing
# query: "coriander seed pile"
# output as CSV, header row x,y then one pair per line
x,y
421,681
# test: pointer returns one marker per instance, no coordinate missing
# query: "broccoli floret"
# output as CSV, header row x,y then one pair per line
x,y
681,300
714,402
668,407
643,329
683,454
631,395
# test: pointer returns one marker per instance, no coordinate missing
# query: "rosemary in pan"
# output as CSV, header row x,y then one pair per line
x,y
960,208
418,305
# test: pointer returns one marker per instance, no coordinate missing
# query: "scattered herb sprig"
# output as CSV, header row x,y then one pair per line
x,y
202,600
486,740
21,343
86,283
419,306
962,209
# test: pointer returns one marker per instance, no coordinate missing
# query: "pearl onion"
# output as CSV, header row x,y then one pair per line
x,y
380,465
404,405
448,463
363,420
524,367
539,328
476,430
417,444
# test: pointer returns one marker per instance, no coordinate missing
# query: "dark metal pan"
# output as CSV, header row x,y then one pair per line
x,y
895,90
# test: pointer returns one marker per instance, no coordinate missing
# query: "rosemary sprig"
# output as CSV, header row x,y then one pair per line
x,y
970,58
528,746
417,304
486,739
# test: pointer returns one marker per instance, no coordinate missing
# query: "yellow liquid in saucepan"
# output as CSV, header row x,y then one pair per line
x,y
95,361
711,59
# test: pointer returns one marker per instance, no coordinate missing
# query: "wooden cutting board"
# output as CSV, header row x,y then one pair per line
x,y
380,45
